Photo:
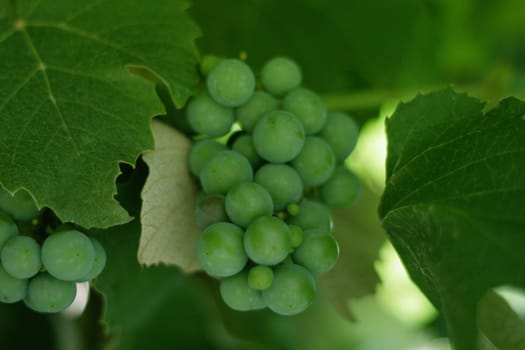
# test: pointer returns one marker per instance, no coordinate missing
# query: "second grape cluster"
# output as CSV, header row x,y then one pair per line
x,y
266,228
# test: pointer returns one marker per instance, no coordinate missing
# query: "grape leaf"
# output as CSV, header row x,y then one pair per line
x,y
70,110
359,234
453,202
169,232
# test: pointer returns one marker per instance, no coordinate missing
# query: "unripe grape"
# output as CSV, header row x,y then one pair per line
x,y
21,257
210,209
12,289
258,105
267,240
8,228
308,107
292,290
318,252
247,201
225,170
312,214
231,82
202,151
280,75
48,294
342,188
282,182
238,295
207,117
340,131
316,162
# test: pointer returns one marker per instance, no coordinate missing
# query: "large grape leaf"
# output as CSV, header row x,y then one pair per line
x,y
169,232
453,202
70,110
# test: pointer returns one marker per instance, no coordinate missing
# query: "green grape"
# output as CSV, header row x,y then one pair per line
x,y
340,131
246,202
68,255
278,136
292,209
292,290
201,152
210,209
308,107
99,262
208,62
312,214
21,206
267,240
238,295
8,228
48,294
231,82
282,182
316,162
244,145
342,189
318,252
209,118
220,250
260,277
258,105
12,289
280,75
223,171
21,257
296,235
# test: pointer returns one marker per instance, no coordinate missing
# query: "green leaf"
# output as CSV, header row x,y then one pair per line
x,y
360,236
169,231
69,109
453,202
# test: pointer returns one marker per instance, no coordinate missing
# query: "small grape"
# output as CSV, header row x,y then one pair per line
x,y
231,82
201,152
208,62
209,118
308,107
342,189
316,162
220,250
210,209
244,145
12,289
318,252
238,295
340,131
292,290
48,294
21,257
296,235
8,228
246,202
282,182
225,170
312,214
267,240
20,206
68,255
278,136
258,105
280,75
260,277
99,262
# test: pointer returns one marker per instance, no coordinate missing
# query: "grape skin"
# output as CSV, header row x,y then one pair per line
x,y
68,255
201,152
292,291
207,117
225,170
98,264
231,82
21,257
260,277
238,295
278,136
8,228
308,107
280,75
316,162
342,189
48,294
282,182
312,214
340,131
210,209
246,202
12,289
220,250
244,145
258,105
267,240
318,252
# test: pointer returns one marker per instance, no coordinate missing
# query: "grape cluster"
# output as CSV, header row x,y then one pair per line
x,y
43,275
266,228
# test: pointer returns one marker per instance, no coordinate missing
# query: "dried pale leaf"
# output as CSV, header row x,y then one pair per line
x,y
169,232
